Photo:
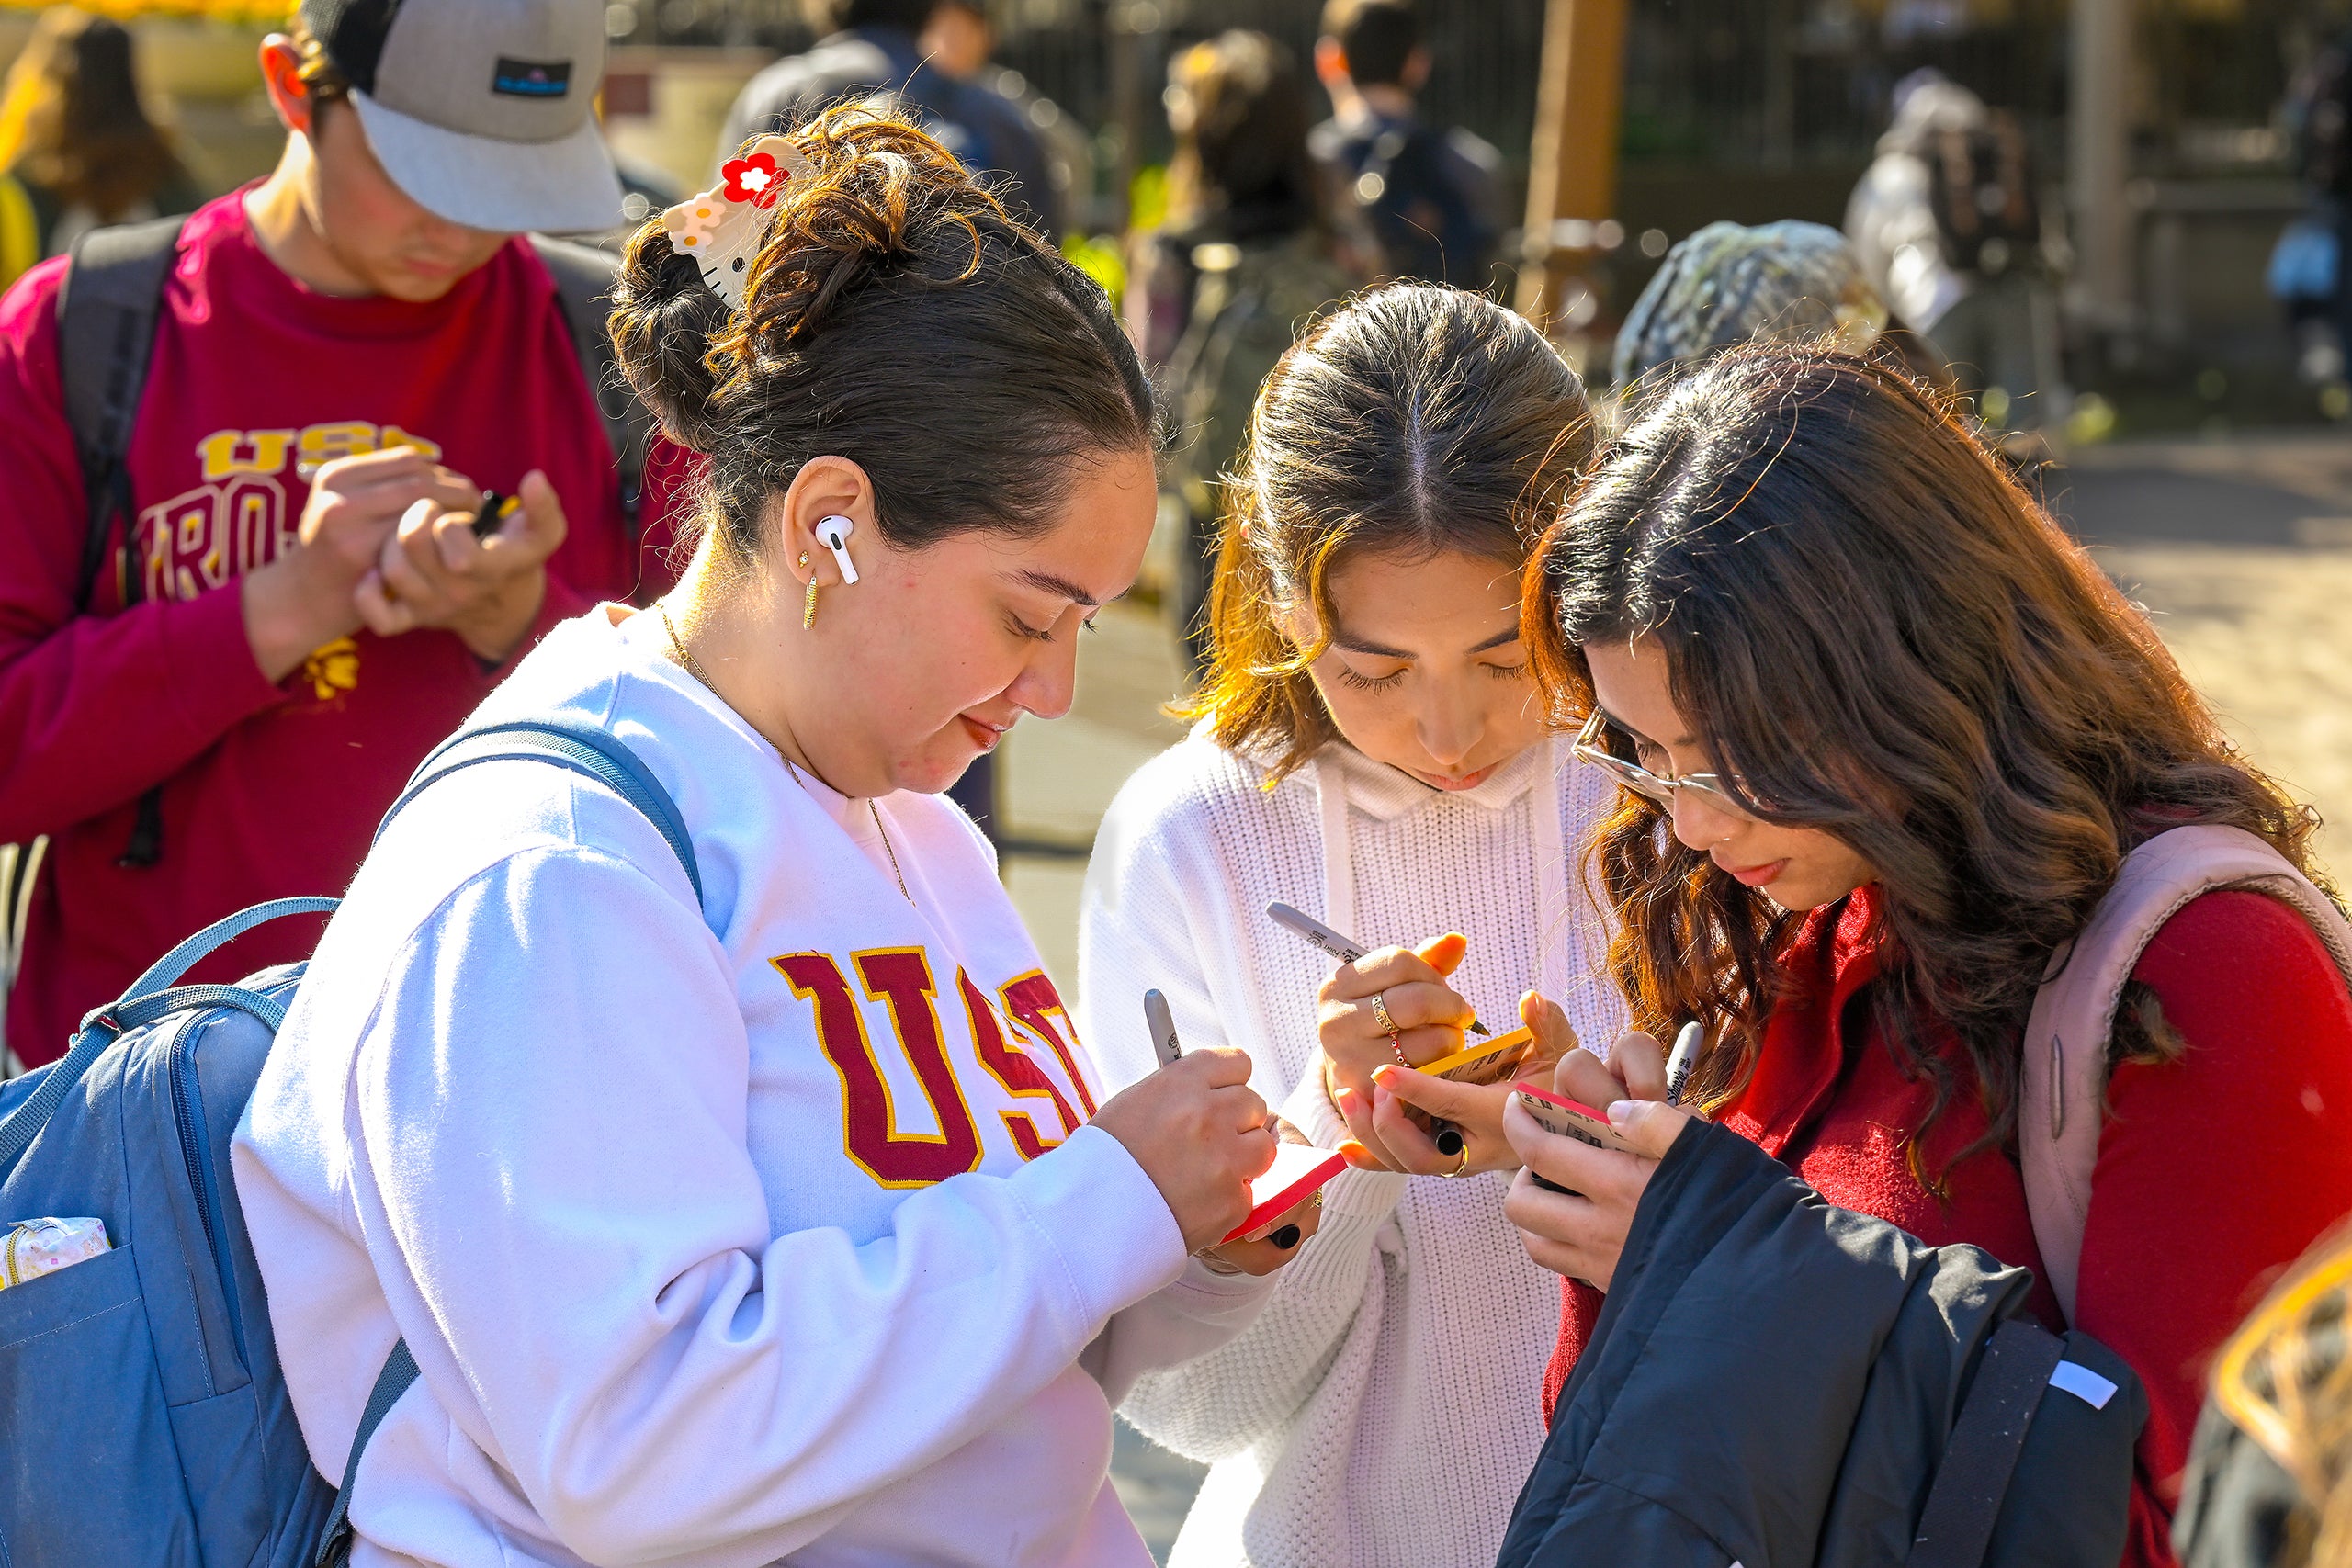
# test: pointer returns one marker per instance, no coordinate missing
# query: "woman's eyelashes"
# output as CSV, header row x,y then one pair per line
x,y
1371,682
1362,682
1022,628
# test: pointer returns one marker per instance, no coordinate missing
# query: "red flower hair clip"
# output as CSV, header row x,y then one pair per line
x,y
723,228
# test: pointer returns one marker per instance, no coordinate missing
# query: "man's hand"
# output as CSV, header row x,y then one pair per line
x,y
303,600
432,571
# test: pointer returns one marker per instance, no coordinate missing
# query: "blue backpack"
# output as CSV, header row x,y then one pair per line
x,y
145,1407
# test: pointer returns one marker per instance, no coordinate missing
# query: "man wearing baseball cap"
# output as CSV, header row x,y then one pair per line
x,y
214,680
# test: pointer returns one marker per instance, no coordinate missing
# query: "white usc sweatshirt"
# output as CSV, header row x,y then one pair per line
x,y
764,1231
1385,1408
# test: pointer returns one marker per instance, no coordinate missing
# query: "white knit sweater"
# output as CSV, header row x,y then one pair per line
x,y
1385,1408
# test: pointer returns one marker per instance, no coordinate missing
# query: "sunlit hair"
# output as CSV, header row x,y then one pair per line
x,y
1880,635
897,316
71,120
2285,1380
1416,419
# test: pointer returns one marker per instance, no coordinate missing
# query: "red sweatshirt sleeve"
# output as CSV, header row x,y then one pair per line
x,y
94,710
2216,1170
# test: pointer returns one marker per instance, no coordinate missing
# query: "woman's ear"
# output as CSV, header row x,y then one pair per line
x,y
826,486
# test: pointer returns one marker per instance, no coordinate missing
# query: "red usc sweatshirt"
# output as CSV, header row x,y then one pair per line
x,y
267,790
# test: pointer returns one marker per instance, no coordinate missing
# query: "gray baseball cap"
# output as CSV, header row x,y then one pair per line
x,y
482,110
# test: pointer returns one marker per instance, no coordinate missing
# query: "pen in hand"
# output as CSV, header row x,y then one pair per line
x,y
1684,1056
490,515
1346,949
1165,1047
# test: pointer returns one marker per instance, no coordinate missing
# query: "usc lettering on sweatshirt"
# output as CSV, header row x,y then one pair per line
x,y
771,1229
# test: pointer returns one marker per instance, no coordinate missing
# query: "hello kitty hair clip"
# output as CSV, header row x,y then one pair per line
x,y
721,229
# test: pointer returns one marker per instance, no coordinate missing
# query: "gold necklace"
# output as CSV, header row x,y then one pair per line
x,y
685,658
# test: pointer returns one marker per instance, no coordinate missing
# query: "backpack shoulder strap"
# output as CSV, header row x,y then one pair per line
x,y
108,305
399,1370
584,286
2066,1034
583,749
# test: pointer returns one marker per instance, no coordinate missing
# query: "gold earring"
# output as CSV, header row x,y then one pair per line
x,y
808,605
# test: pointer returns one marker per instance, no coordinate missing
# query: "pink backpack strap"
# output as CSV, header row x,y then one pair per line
x,y
2063,1102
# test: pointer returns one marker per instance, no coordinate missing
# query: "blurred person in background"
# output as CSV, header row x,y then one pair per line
x,y
1728,283
2270,1479
214,680
887,46
1430,196
960,40
1947,225
2306,273
77,148
878,46
1247,256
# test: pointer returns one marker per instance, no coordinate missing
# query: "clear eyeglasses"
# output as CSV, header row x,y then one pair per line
x,y
1658,788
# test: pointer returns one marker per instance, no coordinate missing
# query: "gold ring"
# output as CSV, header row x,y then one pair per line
x,y
1388,1025
1460,1170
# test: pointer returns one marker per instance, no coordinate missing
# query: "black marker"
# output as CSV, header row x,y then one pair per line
x,y
492,514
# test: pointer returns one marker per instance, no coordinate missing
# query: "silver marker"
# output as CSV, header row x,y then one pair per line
x,y
1684,1056
1346,949
1162,1025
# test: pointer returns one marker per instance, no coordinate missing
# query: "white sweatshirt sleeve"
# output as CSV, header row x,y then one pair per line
x,y
1137,930
553,1182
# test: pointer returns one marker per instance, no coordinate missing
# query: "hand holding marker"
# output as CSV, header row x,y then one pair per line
x,y
490,515
1347,950
1685,1056
1297,1169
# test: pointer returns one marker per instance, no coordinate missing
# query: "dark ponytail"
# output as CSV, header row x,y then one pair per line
x,y
896,316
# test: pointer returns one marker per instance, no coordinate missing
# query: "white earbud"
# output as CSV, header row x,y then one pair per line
x,y
834,533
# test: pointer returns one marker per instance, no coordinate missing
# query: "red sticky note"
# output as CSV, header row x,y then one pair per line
x,y
1297,1171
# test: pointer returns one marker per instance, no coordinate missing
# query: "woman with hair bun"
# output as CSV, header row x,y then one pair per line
x,y
1370,749
790,1220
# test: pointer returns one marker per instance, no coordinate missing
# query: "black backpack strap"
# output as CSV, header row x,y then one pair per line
x,y
584,285
1964,1503
399,1370
108,305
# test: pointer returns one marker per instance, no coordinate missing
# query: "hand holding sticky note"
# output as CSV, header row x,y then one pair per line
x,y
1299,1169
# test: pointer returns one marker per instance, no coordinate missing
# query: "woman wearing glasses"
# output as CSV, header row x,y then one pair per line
x,y
1370,749
1886,735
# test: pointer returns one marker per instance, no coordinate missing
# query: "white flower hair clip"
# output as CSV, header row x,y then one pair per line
x,y
721,227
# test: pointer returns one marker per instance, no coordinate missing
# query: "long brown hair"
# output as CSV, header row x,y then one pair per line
x,y
71,120
1418,419
1882,635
